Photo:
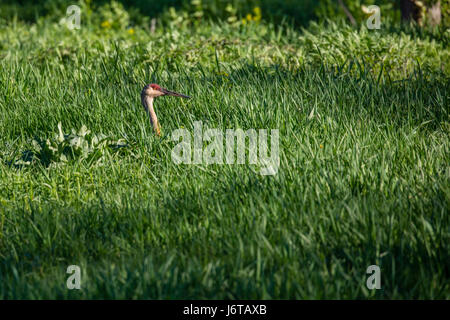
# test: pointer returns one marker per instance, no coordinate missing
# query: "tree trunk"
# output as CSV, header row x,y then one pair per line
x,y
434,14
415,10
410,10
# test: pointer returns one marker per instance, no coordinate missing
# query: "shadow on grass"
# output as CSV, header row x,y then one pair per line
x,y
125,252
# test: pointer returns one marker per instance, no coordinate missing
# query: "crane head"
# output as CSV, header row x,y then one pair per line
x,y
153,90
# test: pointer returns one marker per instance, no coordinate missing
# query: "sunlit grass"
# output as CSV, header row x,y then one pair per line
x,y
363,179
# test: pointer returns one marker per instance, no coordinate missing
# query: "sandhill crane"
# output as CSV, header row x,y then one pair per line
x,y
148,94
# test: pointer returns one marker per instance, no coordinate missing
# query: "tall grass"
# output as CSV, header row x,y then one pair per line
x,y
363,179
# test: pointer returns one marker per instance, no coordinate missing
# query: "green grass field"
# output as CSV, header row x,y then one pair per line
x,y
363,178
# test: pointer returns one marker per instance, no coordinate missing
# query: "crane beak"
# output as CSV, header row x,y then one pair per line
x,y
174,94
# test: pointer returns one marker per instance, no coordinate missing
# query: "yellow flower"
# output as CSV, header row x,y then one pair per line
x,y
106,24
321,146
131,31
222,73
257,12
249,17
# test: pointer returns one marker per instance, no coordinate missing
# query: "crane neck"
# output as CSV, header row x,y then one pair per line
x,y
147,102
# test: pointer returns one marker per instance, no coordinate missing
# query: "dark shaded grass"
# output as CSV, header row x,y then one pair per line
x,y
237,248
